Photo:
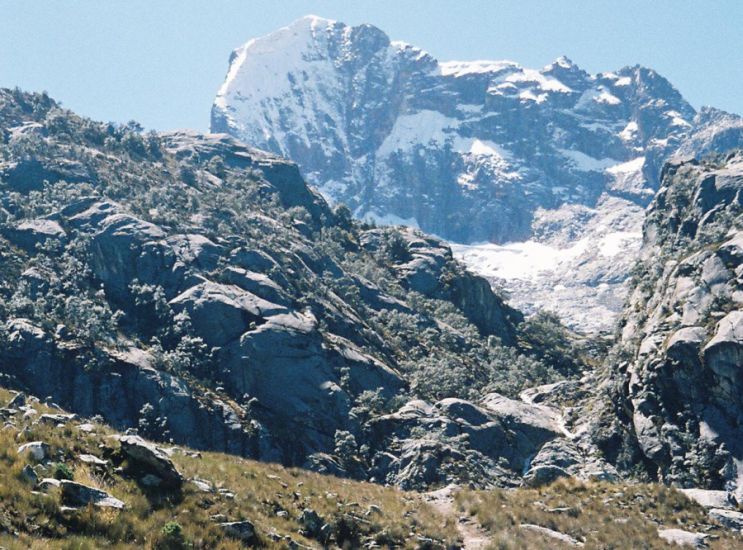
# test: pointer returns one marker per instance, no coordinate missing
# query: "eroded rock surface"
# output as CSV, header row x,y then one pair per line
x,y
677,369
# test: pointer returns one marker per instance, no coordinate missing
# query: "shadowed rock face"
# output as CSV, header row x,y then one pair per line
x,y
681,381
151,460
119,393
422,263
196,290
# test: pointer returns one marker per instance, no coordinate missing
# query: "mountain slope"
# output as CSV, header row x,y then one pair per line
x,y
195,289
354,109
484,151
51,495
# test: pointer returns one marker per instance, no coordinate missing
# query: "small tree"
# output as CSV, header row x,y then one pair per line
x,y
343,216
216,166
346,447
396,248
171,537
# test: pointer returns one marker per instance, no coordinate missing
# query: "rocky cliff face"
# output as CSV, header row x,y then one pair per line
x,y
195,289
485,151
677,379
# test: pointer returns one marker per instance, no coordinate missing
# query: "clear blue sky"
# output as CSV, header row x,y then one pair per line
x,y
161,61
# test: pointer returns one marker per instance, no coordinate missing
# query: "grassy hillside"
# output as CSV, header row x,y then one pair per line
x,y
598,515
271,497
293,508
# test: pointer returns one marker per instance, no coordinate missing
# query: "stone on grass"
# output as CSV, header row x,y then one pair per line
x,y
709,498
544,475
29,475
47,484
18,401
92,459
57,418
202,485
682,538
731,519
556,535
151,460
241,530
37,449
77,494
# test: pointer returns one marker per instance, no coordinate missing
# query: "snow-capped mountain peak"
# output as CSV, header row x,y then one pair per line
x,y
474,151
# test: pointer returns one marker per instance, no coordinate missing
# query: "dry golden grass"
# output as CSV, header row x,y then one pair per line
x,y
602,515
260,491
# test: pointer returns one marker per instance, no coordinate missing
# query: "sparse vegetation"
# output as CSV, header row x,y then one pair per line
x,y
273,498
598,514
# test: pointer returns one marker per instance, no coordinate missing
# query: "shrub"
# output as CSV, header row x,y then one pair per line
x,y
62,471
171,537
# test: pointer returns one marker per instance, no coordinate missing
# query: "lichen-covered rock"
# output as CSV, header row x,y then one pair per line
x,y
682,538
457,440
30,233
243,531
38,450
29,475
557,536
732,519
18,400
121,392
543,475
29,175
710,498
724,356
222,313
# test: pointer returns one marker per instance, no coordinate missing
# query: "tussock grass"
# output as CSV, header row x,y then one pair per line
x,y
258,492
601,515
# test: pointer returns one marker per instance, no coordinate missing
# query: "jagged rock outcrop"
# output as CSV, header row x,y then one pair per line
x,y
488,444
425,264
121,390
677,378
557,160
196,290
29,234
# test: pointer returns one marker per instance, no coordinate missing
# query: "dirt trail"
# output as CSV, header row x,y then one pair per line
x,y
472,535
